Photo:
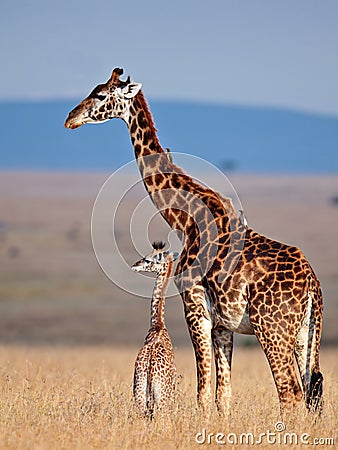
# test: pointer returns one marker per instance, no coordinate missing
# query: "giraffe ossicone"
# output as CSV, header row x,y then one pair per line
x,y
231,278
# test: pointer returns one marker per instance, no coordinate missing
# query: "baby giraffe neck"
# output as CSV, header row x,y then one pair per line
x,y
158,299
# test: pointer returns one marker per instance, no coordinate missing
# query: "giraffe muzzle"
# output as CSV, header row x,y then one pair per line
x,y
72,124
75,118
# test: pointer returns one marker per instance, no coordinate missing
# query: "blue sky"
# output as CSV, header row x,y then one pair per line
x,y
270,53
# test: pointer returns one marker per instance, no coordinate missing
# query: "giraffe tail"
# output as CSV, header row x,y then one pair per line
x,y
314,400
314,397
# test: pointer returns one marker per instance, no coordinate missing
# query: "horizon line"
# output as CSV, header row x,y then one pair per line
x,y
186,101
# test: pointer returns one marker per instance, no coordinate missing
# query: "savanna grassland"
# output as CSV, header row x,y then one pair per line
x,y
69,336
81,398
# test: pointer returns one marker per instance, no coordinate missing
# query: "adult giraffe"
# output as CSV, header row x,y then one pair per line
x,y
231,278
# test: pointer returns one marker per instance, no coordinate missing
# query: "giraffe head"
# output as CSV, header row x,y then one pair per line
x,y
156,261
106,101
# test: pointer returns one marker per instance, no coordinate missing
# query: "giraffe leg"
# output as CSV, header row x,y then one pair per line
x,y
222,340
199,326
280,358
141,375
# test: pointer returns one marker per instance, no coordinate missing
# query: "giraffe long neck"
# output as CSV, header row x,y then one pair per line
x,y
158,299
142,129
161,177
185,204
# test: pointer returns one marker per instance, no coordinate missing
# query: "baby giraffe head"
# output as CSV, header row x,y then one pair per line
x,y
156,261
106,101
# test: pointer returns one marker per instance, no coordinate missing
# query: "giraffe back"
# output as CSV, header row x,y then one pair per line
x,y
155,373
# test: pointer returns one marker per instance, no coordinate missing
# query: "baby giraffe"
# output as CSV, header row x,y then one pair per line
x,y
155,371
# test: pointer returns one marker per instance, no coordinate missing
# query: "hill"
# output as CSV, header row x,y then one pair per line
x,y
248,139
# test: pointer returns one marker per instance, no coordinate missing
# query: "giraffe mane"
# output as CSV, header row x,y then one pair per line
x,y
225,201
145,107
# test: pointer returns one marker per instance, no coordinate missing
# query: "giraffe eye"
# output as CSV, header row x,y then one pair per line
x,y
147,261
100,96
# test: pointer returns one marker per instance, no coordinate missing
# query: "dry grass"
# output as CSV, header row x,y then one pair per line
x,y
80,398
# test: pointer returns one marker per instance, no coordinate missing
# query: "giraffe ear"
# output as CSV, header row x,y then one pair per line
x,y
175,256
130,90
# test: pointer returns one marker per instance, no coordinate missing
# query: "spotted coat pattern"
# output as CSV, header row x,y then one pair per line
x,y
231,278
155,370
